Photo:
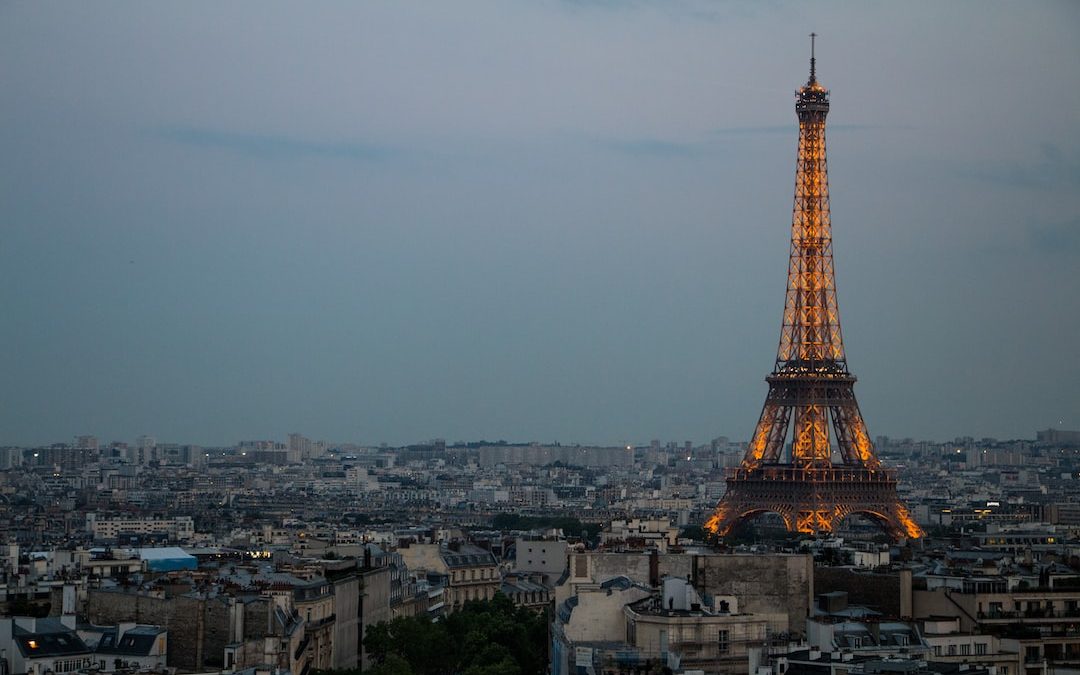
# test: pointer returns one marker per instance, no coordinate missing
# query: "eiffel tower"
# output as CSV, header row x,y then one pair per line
x,y
817,483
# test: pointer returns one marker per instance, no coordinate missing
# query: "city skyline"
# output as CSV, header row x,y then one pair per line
x,y
550,221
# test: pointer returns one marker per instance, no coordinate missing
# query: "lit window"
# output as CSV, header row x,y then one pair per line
x,y
33,644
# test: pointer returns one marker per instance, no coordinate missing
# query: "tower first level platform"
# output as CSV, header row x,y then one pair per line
x,y
813,500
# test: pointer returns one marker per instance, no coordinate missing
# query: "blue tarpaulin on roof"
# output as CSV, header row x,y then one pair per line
x,y
167,559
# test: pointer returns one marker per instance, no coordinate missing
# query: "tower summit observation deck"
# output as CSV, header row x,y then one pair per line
x,y
813,483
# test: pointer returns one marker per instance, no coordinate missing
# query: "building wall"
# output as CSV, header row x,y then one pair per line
x,y
374,602
598,567
347,623
479,582
697,639
256,619
599,615
548,557
185,619
762,583
889,594
968,648
423,557
179,528
216,631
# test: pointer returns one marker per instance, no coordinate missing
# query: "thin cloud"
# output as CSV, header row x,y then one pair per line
x,y
1056,238
264,146
690,9
652,147
1055,168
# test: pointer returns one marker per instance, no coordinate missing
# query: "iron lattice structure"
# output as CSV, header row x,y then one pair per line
x,y
817,483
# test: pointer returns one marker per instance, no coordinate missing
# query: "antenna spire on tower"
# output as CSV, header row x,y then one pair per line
x,y
813,61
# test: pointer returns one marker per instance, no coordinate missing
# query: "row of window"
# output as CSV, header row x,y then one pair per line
x,y
480,593
485,573
71,665
960,650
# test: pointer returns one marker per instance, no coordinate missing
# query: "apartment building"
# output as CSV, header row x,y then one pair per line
x,y
108,528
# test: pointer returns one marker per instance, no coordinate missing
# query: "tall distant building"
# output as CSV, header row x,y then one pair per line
x,y
299,448
1058,437
10,457
145,450
811,385
86,442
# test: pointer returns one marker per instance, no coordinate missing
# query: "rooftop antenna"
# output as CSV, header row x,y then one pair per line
x,y
813,61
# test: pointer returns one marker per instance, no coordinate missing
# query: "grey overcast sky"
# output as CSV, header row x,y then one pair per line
x,y
531,220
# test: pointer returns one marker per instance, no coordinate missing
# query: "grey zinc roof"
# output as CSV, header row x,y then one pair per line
x,y
484,559
49,641
138,641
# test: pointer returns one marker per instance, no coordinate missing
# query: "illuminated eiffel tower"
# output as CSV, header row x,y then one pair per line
x,y
816,484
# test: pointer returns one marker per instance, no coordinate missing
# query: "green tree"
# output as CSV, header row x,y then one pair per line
x,y
492,637
393,665
698,533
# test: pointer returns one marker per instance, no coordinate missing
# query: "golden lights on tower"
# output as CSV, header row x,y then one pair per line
x,y
811,388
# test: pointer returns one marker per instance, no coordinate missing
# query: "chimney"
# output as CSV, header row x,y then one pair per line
x,y
68,600
875,631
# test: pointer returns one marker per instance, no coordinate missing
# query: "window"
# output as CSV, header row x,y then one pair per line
x,y
965,650
952,650
723,642
980,648
937,650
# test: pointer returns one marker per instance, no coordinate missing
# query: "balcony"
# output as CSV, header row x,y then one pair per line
x,y
1030,615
